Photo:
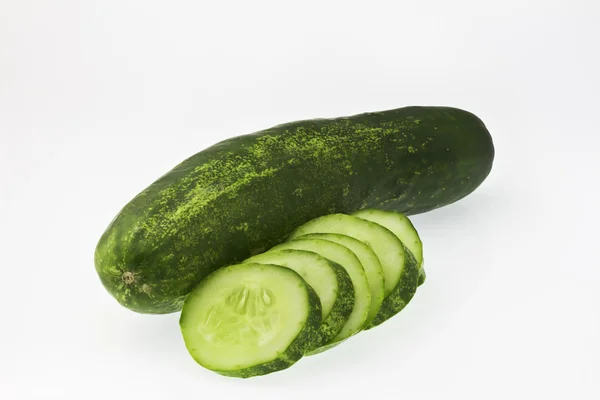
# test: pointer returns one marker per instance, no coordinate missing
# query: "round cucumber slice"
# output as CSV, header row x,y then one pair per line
x,y
370,263
250,319
402,227
400,268
329,280
346,258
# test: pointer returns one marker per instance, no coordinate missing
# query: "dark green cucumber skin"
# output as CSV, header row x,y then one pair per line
x,y
402,293
246,194
340,312
422,277
342,307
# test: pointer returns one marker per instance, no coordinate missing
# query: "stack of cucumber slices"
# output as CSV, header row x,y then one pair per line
x,y
334,277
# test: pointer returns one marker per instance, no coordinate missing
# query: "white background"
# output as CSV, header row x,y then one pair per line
x,y
99,98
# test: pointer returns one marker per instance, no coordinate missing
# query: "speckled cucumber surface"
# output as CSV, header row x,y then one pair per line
x,y
246,194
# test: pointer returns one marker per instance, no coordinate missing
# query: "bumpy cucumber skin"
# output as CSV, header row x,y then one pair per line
x,y
340,312
246,194
296,349
342,307
422,277
402,293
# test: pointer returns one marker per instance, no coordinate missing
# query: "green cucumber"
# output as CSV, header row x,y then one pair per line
x,y
400,268
370,263
250,319
246,194
400,226
329,280
346,258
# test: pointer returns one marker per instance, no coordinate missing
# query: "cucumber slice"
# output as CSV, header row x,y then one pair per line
x,y
344,257
329,280
369,261
400,268
400,226
250,319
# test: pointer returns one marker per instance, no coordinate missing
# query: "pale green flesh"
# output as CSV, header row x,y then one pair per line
x,y
369,261
400,226
384,243
315,270
344,257
244,315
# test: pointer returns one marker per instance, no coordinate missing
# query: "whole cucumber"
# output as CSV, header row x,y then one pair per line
x,y
246,194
